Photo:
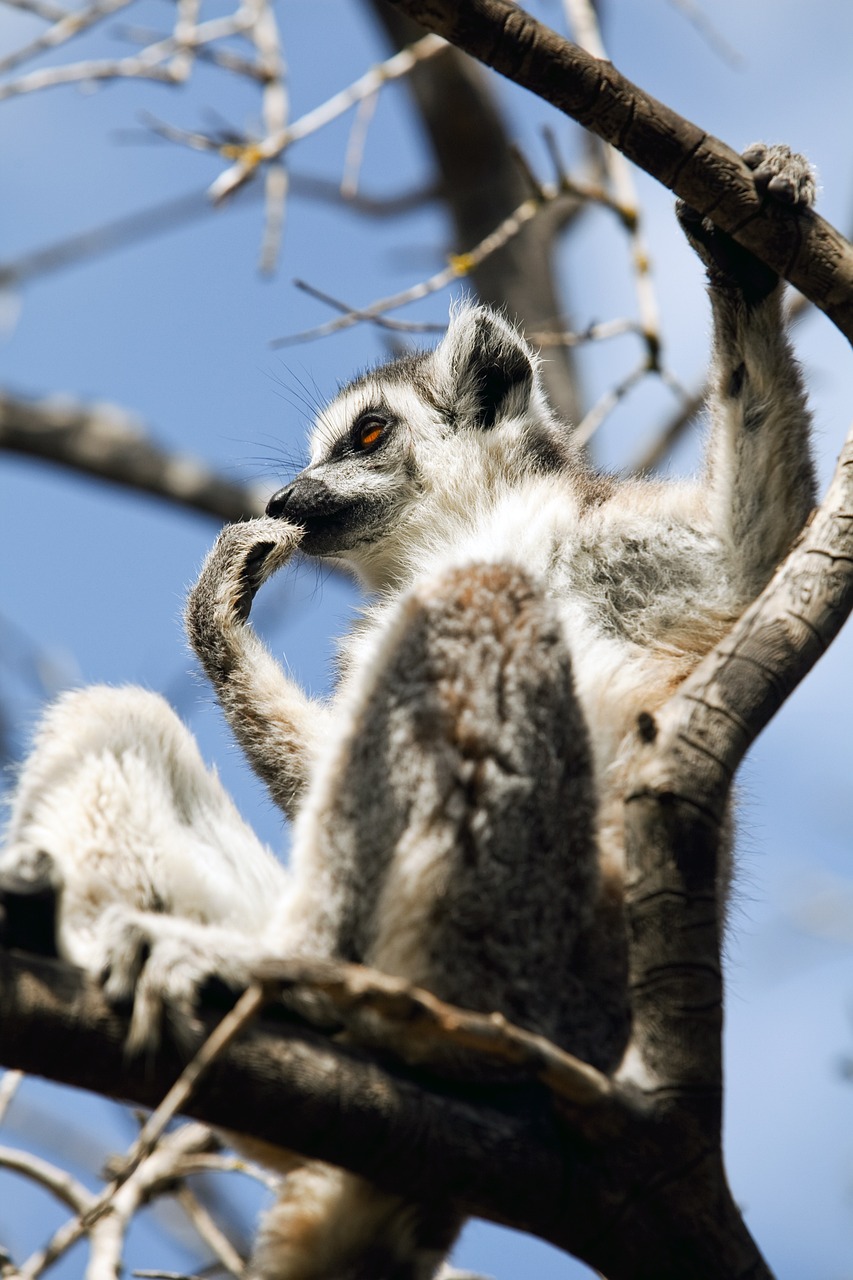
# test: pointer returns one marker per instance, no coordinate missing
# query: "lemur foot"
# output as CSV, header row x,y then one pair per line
x,y
29,898
240,561
163,967
779,174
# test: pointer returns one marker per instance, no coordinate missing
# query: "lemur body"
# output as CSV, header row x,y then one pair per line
x,y
458,807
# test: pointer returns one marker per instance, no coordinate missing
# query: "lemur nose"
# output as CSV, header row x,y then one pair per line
x,y
278,502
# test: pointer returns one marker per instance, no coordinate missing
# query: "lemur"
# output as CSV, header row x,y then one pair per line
x,y
457,806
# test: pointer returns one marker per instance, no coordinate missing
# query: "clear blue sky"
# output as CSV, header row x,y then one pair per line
x,y
177,330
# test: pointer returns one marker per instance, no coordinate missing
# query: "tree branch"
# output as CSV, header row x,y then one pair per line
x,y
103,441
695,165
635,1193
289,1085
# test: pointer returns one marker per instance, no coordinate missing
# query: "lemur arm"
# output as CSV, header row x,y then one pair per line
x,y
761,483
277,725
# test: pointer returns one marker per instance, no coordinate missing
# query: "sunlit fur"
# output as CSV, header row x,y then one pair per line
x,y
458,806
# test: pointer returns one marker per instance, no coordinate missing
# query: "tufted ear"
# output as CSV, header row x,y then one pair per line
x,y
488,366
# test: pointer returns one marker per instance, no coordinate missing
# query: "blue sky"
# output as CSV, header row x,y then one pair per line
x,y
177,330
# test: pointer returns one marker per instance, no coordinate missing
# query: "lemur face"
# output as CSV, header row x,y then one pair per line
x,y
413,441
363,468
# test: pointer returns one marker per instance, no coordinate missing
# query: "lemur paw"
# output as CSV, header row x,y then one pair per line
x,y
779,173
782,173
240,561
162,967
29,897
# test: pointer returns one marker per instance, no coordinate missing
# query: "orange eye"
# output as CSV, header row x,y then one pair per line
x,y
370,433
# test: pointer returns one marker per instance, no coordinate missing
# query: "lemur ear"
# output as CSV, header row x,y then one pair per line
x,y
489,365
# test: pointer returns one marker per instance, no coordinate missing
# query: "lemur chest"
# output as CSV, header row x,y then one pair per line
x,y
641,598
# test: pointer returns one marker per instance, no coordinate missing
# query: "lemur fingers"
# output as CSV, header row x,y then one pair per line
x,y
159,966
243,557
780,175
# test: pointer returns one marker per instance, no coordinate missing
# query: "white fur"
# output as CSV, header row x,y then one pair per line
x,y
644,578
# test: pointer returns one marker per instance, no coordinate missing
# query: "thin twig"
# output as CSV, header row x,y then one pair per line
x,y
209,1231
595,416
221,1162
63,29
138,68
592,333
356,145
264,34
125,1191
41,8
234,1022
9,1086
272,147
584,23
459,265
382,322
59,1182
714,38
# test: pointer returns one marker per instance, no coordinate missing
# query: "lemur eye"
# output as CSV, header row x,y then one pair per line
x,y
369,431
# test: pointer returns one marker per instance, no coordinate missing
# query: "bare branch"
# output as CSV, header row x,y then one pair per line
x,y
63,29
388,1013
685,760
459,266
276,1087
481,184
59,1182
276,108
273,146
706,173
504,1152
209,1231
583,20
177,1098
41,8
104,441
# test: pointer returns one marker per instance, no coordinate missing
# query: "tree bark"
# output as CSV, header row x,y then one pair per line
x,y
645,1200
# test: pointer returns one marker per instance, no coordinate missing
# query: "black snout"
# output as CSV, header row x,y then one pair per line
x,y
333,523
278,502
305,501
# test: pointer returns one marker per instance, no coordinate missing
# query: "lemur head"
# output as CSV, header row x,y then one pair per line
x,y
413,450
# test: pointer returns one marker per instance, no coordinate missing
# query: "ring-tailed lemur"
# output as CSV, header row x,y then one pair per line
x,y
458,808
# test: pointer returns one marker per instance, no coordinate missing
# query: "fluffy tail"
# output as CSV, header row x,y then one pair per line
x,y
332,1225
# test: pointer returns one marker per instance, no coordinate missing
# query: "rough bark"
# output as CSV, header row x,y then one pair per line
x,y
646,1199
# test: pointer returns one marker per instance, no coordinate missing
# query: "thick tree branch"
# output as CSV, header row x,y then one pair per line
x,y
677,802
294,1087
104,442
698,167
645,1197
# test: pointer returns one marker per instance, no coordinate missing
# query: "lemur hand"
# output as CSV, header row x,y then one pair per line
x,y
779,174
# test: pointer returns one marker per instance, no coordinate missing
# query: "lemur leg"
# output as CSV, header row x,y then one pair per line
x,y
448,840
141,843
761,481
278,727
